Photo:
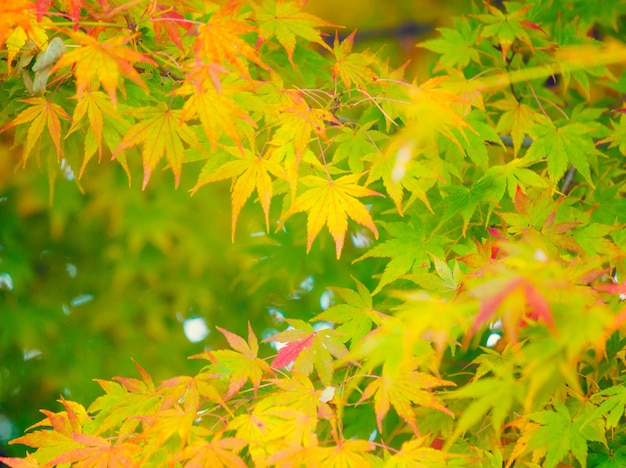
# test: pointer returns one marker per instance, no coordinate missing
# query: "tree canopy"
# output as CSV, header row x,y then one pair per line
x,y
369,261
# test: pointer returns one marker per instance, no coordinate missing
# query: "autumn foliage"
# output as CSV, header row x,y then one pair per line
x,y
487,197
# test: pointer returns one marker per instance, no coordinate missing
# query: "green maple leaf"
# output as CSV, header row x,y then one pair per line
x,y
507,27
569,144
609,459
493,396
617,138
465,200
613,404
514,174
562,432
356,316
474,138
357,143
285,21
408,248
456,46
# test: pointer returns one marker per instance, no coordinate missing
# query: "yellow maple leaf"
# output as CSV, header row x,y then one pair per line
x,y
218,112
402,389
249,173
349,66
416,453
331,202
92,104
40,114
434,109
161,132
100,63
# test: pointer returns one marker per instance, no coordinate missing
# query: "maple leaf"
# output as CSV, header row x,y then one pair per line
x,y
267,427
27,462
219,40
570,143
161,132
358,144
523,300
190,391
98,452
132,398
16,14
617,138
356,316
92,104
218,112
562,432
456,47
307,348
507,27
347,453
514,176
402,389
298,121
60,438
41,113
173,424
351,67
433,109
417,454
217,452
612,405
331,202
408,248
297,391
517,119
249,173
285,20
240,365
399,169
169,20
100,63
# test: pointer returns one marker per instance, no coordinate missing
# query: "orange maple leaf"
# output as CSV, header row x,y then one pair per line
x,y
27,462
161,132
100,63
40,114
169,20
16,14
219,40
98,452
331,202
214,451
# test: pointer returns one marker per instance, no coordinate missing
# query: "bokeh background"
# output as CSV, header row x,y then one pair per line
x,y
96,272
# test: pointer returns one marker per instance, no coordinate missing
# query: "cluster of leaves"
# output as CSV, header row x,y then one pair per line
x,y
497,181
